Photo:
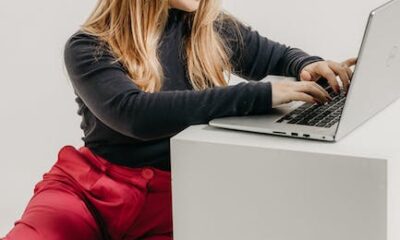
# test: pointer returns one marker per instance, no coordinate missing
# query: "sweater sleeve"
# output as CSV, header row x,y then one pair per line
x,y
104,86
254,57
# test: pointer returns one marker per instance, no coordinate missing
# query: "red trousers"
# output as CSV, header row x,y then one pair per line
x,y
85,197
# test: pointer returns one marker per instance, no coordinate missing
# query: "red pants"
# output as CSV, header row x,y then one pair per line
x,y
86,197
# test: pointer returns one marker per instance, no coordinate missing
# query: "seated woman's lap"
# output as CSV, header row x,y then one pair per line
x,y
58,214
85,197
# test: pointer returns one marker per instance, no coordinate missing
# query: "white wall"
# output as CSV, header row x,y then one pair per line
x,y
331,29
38,112
37,108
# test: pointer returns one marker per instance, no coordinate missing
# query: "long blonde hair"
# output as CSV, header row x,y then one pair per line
x,y
133,29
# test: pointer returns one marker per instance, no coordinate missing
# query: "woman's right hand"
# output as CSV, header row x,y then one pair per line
x,y
307,91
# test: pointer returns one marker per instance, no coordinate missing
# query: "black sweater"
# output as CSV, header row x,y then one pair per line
x,y
130,127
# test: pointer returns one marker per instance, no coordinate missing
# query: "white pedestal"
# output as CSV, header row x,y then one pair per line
x,y
239,186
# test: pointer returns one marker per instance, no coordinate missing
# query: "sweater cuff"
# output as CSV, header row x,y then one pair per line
x,y
303,62
264,98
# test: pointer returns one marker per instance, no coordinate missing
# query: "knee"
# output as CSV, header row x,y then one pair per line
x,y
55,215
21,230
59,231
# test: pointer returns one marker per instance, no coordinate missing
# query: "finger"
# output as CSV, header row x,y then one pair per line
x,y
326,72
350,62
323,90
341,71
300,96
311,89
349,72
320,90
305,76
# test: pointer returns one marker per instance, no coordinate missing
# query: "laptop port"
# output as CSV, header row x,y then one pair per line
x,y
282,133
295,134
306,135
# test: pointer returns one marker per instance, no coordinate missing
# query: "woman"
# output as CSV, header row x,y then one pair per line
x,y
142,71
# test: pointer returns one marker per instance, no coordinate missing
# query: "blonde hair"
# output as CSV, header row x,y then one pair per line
x,y
133,29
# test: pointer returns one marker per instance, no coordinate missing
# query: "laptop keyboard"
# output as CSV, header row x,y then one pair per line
x,y
318,115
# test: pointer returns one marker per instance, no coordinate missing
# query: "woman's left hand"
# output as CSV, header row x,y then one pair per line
x,y
329,70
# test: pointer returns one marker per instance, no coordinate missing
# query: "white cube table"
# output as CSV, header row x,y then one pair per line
x,y
233,185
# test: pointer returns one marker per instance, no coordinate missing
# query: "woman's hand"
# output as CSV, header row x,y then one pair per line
x,y
329,70
308,90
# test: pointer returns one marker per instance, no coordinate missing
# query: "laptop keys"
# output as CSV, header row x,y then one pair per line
x,y
315,114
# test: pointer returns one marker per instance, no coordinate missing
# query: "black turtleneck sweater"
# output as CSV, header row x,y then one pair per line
x,y
130,127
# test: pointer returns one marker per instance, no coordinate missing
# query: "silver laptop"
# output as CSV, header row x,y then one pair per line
x,y
375,84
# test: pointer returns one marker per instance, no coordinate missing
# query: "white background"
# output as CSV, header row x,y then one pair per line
x,y
38,112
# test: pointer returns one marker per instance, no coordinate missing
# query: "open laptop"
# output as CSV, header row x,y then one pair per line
x,y
375,84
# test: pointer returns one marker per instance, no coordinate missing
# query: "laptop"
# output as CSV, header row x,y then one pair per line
x,y
375,84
